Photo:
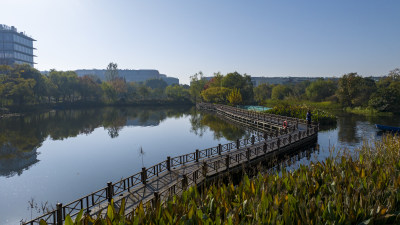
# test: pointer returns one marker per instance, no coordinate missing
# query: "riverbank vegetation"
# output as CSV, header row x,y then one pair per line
x,y
22,85
348,188
318,116
351,92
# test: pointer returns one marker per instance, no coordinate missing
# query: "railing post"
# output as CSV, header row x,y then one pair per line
x,y
253,139
265,148
59,214
144,175
197,155
248,154
237,144
169,163
290,138
219,149
227,160
277,133
109,191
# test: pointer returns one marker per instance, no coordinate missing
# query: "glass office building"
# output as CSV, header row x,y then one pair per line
x,y
15,47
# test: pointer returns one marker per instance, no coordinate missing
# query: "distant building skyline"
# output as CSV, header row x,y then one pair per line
x,y
131,75
15,47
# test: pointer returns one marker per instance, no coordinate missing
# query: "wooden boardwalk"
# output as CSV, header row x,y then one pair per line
x,y
176,174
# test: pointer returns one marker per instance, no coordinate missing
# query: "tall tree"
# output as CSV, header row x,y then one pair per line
x,y
262,92
112,71
354,90
197,82
320,89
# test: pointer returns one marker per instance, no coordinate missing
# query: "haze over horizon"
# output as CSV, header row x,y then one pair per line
x,y
179,38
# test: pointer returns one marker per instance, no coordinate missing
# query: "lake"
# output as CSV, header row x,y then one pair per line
x,y
61,155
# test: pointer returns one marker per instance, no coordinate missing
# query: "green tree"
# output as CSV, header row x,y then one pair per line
x,y
262,92
320,89
280,91
236,80
197,82
177,93
17,89
156,83
89,88
354,90
387,96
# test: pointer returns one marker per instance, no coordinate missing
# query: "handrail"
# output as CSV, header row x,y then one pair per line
x,y
95,199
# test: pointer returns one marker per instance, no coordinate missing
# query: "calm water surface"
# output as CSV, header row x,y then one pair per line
x,y
62,155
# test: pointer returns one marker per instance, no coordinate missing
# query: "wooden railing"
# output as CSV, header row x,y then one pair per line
x,y
212,160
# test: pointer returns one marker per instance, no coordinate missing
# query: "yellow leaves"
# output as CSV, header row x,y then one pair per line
x,y
253,190
383,211
362,173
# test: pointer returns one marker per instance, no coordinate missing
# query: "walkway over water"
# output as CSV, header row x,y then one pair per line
x,y
175,174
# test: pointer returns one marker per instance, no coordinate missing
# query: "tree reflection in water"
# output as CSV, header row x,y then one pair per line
x,y
20,137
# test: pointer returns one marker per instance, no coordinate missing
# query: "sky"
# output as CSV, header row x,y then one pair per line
x,y
182,37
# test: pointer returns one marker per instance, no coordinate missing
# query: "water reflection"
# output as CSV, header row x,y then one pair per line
x,y
201,121
20,137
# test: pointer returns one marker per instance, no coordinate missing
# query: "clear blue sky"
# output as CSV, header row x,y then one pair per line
x,y
180,38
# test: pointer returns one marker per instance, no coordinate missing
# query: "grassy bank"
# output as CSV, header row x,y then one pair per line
x,y
346,189
366,111
327,105
300,112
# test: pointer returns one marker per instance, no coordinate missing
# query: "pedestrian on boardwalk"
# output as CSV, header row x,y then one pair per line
x,y
308,118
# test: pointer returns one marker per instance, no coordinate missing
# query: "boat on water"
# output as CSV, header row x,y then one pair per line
x,y
387,128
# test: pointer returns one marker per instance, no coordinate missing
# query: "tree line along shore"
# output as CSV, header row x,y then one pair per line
x,y
24,88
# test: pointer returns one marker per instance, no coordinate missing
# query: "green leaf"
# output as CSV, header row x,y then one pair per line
x,y
42,222
79,216
122,209
68,220
111,210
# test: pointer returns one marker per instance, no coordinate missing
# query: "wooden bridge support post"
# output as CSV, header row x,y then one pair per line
x,y
204,169
197,155
169,163
143,175
253,140
109,191
184,181
156,199
227,161
278,142
248,154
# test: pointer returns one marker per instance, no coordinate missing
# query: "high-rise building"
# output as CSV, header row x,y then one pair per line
x,y
15,47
